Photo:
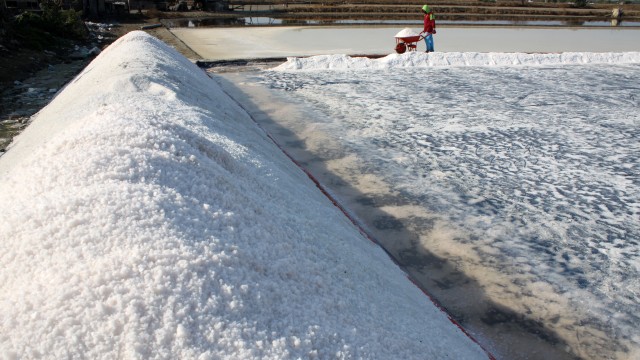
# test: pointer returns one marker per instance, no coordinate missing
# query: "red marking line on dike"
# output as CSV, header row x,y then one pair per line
x,y
361,229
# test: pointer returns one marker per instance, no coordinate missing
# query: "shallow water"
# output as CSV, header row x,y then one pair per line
x,y
269,21
511,194
281,41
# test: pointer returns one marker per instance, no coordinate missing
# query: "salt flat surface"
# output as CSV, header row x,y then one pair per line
x,y
145,215
453,59
524,177
283,41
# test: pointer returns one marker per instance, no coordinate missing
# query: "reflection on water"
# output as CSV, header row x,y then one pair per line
x,y
266,21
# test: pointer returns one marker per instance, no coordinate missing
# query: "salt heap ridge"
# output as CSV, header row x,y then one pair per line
x,y
145,215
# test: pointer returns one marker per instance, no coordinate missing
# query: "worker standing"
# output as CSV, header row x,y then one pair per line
x,y
429,27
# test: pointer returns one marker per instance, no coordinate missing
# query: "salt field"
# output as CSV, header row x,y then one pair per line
x,y
506,183
479,202
146,216
282,41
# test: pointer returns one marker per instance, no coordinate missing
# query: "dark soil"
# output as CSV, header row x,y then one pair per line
x,y
30,78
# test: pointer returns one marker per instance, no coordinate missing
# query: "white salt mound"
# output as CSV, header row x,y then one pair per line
x,y
406,32
146,216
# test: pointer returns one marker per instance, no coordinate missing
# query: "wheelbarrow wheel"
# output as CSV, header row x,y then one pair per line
x,y
401,48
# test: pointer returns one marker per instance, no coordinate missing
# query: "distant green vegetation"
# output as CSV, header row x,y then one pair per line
x,y
42,29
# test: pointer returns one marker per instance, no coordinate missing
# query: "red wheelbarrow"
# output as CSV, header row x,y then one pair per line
x,y
407,40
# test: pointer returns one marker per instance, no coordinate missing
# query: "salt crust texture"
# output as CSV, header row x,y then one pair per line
x,y
452,59
146,216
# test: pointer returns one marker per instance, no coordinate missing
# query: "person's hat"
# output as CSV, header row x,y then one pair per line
x,y
426,8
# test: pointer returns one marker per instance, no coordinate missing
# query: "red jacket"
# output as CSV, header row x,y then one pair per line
x,y
429,23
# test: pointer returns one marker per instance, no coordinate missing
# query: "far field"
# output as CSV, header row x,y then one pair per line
x,y
447,10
